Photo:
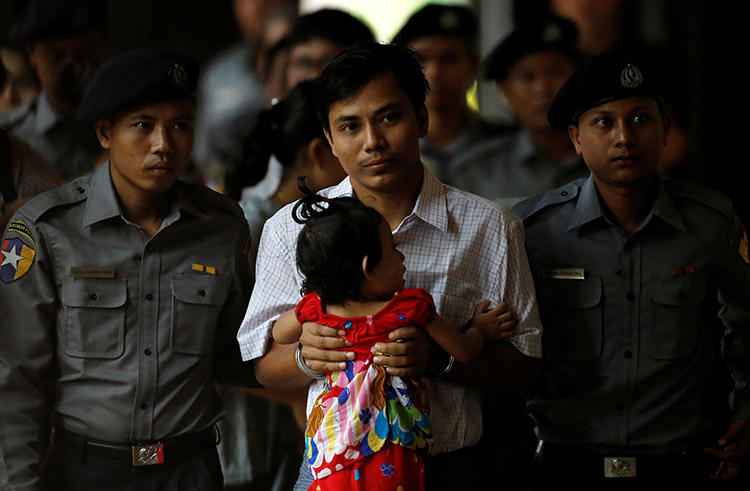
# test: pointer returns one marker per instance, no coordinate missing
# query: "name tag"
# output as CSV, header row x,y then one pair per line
x,y
566,274
87,272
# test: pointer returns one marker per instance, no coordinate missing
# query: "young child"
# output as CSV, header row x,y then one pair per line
x,y
368,430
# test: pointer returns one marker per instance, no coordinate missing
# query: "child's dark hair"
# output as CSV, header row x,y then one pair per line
x,y
338,234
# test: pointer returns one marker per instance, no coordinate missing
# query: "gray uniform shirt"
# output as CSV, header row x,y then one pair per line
x,y
125,347
69,145
628,343
511,166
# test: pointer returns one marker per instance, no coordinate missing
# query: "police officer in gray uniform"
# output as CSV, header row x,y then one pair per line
x,y
65,43
528,67
121,294
627,270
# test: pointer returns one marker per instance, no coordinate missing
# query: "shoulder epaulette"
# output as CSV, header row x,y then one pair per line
x,y
701,194
529,207
72,192
204,194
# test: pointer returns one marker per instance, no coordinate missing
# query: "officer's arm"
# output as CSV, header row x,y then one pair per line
x,y
29,304
228,365
734,285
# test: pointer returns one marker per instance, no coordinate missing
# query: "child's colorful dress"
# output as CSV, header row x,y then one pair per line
x,y
368,430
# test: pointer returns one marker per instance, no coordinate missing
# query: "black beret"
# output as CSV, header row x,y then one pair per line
x,y
603,78
138,77
547,33
439,20
52,19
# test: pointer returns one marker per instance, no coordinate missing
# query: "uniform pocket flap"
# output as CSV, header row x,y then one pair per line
x,y
574,294
679,292
102,293
200,289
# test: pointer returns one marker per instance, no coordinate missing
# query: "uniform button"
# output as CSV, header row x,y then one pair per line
x,y
144,405
202,293
80,189
93,296
563,193
147,352
149,296
618,272
628,245
630,296
619,406
628,354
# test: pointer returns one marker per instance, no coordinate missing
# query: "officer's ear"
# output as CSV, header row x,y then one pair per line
x,y
573,133
103,129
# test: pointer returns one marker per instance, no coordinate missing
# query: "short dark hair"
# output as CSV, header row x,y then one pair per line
x,y
333,25
347,73
338,234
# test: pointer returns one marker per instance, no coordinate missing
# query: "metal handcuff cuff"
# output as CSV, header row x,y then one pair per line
x,y
303,366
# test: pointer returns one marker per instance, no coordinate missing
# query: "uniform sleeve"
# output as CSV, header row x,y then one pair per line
x,y
228,365
516,288
734,292
276,290
28,302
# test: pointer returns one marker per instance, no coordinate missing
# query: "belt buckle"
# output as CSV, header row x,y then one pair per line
x,y
619,467
148,454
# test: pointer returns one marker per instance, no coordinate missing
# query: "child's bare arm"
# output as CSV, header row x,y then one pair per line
x,y
463,346
496,323
286,329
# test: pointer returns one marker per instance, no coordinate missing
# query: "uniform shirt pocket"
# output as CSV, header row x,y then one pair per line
x,y
572,318
197,300
676,316
94,317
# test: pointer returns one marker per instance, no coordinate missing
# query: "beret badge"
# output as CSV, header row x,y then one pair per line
x,y
631,76
178,76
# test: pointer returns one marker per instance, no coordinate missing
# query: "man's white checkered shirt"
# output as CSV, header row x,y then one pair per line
x,y
459,247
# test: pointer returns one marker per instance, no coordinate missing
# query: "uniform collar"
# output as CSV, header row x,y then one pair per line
x,y
431,206
102,201
589,208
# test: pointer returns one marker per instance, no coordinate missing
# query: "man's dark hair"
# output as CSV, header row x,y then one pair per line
x,y
351,70
338,234
332,25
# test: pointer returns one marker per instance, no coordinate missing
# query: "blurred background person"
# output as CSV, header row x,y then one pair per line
x,y
65,43
528,67
445,38
21,85
231,92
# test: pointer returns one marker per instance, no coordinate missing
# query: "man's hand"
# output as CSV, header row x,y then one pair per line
x,y
406,355
320,346
735,449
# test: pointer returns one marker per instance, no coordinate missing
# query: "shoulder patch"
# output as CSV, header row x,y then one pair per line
x,y
701,194
529,207
21,228
70,193
17,257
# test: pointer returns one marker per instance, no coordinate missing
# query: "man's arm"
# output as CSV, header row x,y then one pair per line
x,y
28,302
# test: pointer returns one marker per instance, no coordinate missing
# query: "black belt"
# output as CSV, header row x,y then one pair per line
x,y
168,450
623,465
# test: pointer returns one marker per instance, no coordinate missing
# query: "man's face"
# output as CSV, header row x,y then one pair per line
x,y
450,68
375,135
532,83
64,65
621,141
21,84
149,145
306,60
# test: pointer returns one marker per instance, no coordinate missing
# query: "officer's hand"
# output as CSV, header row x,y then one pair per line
x,y
320,345
735,446
406,355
